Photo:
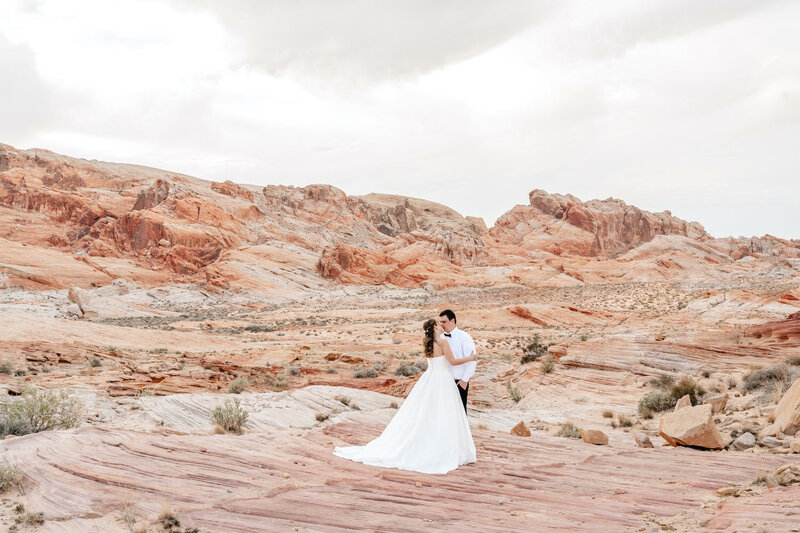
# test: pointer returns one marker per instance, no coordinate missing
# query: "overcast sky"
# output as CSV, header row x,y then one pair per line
x,y
691,106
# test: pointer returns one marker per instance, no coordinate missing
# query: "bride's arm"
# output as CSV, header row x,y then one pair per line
x,y
448,353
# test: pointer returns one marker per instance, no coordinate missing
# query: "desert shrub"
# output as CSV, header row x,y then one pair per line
x,y
379,366
407,370
655,402
229,415
322,417
731,383
238,385
20,372
96,362
422,364
10,476
584,337
366,373
276,382
569,430
548,365
687,385
767,377
39,410
293,371
170,523
258,329
514,392
664,381
26,518
331,371
661,400
534,350
608,413
393,405
793,361
6,368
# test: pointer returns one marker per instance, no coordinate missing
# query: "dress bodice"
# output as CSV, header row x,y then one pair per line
x,y
438,363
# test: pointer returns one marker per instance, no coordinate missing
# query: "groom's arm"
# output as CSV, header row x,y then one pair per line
x,y
469,349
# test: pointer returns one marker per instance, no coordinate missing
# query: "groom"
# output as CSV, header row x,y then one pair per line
x,y
462,347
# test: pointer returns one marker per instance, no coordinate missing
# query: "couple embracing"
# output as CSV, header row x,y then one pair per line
x,y
430,432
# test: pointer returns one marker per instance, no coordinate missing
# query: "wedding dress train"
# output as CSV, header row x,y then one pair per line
x,y
429,433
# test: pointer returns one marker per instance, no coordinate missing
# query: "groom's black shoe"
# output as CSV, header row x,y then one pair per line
x,y
463,392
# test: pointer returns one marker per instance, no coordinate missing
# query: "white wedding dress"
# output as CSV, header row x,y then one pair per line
x,y
428,434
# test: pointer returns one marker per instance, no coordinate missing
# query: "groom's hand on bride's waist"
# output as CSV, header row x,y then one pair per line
x,y
463,384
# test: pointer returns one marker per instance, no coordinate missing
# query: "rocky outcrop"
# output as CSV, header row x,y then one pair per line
x,y
766,245
563,224
150,197
784,332
229,188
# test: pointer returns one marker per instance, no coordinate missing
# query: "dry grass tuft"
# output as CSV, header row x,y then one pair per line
x,y
569,431
514,392
230,416
10,476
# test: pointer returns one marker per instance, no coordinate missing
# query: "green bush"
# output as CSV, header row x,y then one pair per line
x,y
655,402
230,416
685,386
661,400
39,410
6,368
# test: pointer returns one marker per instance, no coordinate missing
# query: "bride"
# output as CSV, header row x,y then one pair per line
x,y
430,432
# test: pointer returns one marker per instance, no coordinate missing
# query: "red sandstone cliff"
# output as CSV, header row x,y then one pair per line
x,y
125,220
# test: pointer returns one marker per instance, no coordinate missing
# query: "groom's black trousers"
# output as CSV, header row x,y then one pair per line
x,y
463,392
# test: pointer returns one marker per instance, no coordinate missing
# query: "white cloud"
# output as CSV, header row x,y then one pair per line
x,y
26,100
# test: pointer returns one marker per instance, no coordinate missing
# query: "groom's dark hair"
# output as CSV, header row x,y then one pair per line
x,y
449,314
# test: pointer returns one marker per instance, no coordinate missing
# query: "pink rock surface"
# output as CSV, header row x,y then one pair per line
x,y
257,482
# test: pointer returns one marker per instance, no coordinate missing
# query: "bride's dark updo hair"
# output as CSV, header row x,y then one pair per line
x,y
429,327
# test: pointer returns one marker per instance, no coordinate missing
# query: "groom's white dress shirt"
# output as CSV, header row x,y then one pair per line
x,y
462,346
